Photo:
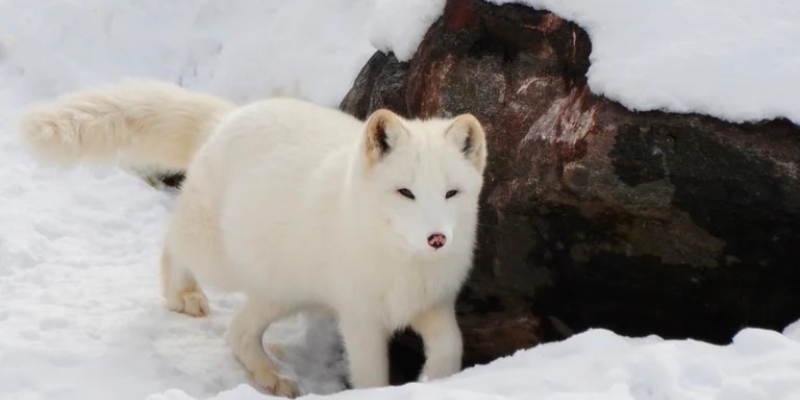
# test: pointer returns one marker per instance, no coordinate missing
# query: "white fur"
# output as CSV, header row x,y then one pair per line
x,y
146,126
297,206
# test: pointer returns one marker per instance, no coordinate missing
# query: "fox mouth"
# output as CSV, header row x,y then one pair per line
x,y
408,247
424,250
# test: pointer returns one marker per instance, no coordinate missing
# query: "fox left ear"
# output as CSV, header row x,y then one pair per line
x,y
384,132
467,133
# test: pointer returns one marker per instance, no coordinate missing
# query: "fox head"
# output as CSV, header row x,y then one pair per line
x,y
424,177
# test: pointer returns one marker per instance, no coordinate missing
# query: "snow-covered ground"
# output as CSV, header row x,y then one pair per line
x,y
81,317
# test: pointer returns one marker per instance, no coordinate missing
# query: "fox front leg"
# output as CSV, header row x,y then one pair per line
x,y
366,344
442,338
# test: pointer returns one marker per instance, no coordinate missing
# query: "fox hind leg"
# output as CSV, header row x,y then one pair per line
x,y
245,335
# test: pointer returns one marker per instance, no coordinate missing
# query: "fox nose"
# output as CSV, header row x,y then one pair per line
x,y
437,240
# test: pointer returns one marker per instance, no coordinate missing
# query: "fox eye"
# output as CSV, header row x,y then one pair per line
x,y
406,193
450,193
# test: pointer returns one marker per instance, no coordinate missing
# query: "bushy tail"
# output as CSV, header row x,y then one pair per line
x,y
136,124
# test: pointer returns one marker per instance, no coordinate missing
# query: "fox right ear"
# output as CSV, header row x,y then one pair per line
x,y
467,133
384,131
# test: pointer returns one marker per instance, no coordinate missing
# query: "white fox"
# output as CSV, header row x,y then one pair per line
x,y
299,206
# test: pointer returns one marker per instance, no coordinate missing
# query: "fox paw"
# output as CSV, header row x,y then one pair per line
x,y
193,303
271,383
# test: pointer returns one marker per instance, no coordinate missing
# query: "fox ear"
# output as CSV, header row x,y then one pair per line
x,y
384,131
467,133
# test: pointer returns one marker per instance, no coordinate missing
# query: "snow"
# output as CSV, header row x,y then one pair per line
x,y
241,49
600,365
399,26
732,59
81,316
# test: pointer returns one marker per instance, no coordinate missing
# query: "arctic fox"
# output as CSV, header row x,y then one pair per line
x,y
300,207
